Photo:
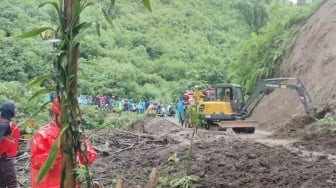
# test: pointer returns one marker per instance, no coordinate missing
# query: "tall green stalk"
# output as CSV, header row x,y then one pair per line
x,y
65,75
193,114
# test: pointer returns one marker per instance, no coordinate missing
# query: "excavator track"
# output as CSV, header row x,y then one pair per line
x,y
238,126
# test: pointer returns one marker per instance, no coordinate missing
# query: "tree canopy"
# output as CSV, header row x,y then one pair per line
x,y
160,54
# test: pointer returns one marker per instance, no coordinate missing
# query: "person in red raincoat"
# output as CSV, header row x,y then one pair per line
x,y
9,140
39,150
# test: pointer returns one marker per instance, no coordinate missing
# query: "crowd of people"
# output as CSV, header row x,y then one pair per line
x,y
114,104
110,103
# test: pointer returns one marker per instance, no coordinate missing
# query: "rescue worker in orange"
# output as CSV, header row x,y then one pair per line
x,y
39,150
9,141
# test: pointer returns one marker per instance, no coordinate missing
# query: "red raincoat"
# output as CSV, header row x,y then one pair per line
x,y
39,150
9,144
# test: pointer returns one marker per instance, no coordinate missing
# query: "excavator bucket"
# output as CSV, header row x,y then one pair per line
x,y
239,126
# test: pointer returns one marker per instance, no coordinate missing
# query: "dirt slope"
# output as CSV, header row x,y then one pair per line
x,y
311,57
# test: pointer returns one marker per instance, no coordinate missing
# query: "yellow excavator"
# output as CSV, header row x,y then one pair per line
x,y
224,104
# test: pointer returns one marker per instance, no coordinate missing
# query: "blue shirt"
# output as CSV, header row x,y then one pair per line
x,y
180,106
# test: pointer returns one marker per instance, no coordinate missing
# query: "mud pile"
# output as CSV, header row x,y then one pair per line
x,y
219,159
310,57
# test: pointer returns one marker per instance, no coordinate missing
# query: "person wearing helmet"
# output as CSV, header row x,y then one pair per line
x,y
41,143
9,141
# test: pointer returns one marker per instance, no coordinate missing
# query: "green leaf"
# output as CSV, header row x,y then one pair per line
x,y
39,79
87,4
33,32
51,3
40,92
40,109
107,18
77,9
82,26
147,5
173,158
90,63
55,5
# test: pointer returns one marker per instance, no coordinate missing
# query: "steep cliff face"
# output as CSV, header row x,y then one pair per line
x,y
312,58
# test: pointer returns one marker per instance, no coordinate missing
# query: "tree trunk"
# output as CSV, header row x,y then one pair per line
x,y
68,151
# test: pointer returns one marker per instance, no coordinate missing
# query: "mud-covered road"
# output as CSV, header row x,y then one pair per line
x,y
219,159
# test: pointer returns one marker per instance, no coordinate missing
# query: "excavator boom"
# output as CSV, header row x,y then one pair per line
x,y
265,86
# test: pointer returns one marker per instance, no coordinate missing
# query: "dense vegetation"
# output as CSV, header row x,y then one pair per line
x,y
158,55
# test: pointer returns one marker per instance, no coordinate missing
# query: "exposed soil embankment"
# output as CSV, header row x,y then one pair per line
x,y
310,57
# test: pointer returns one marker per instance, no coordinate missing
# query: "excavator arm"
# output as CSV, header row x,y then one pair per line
x,y
265,86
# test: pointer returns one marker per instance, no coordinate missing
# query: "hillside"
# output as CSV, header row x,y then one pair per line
x,y
144,55
311,57
156,55
225,159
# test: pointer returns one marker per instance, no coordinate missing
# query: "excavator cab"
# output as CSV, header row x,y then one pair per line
x,y
224,107
233,94
224,103
224,98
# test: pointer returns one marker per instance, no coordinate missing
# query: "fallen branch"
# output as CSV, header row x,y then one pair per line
x,y
130,147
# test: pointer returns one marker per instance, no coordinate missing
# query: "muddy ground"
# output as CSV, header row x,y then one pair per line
x,y
219,158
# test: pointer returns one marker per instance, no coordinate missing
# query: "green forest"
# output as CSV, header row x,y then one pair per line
x,y
153,55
